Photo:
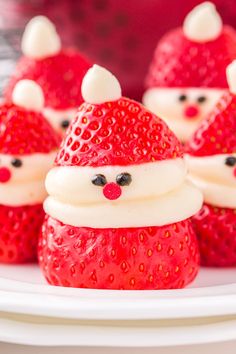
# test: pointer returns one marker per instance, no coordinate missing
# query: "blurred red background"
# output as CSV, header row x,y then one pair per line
x,y
119,34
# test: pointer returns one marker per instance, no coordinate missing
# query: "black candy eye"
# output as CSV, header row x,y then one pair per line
x,y
230,161
65,123
99,180
16,162
201,99
124,179
182,98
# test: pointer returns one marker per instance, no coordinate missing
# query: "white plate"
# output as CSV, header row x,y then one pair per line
x,y
24,291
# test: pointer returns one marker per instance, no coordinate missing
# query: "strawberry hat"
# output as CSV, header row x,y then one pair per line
x,y
113,130
58,71
195,55
217,133
23,129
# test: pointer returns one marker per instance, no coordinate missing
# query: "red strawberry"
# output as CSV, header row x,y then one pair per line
x,y
128,134
25,132
20,227
216,232
58,71
60,77
215,223
135,258
188,72
114,132
216,134
180,62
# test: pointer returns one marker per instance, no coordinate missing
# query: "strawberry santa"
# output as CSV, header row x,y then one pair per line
x,y
27,149
58,71
119,208
211,158
187,75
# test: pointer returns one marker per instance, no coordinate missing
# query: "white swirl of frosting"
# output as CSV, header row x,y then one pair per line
x,y
214,178
26,185
73,184
178,205
157,195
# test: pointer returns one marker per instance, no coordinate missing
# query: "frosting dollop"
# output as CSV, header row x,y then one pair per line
x,y
40,39
203,23
99,86
29,95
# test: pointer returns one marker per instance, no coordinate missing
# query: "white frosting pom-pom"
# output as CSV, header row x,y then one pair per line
x,y
231,76
29,95
40,39
203,23
99,86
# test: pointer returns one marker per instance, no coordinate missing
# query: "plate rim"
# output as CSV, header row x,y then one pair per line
x,y
115,308
28,297
18,332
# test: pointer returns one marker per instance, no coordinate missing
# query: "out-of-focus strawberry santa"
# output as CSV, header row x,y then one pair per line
x,y
59,71
187,74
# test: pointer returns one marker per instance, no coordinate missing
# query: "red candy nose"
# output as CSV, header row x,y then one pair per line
x,y
112,191
191,111
5,174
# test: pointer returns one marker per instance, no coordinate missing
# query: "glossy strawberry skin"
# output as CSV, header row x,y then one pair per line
x,y
216,231
129,258
19,232
121,133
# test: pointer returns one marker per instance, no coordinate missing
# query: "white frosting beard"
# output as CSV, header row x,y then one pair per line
x,y
215,179
165,103
56,117
156,196
26,185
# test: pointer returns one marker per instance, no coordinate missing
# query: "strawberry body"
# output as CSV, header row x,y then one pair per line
x,y
126,258
19,231
216,231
